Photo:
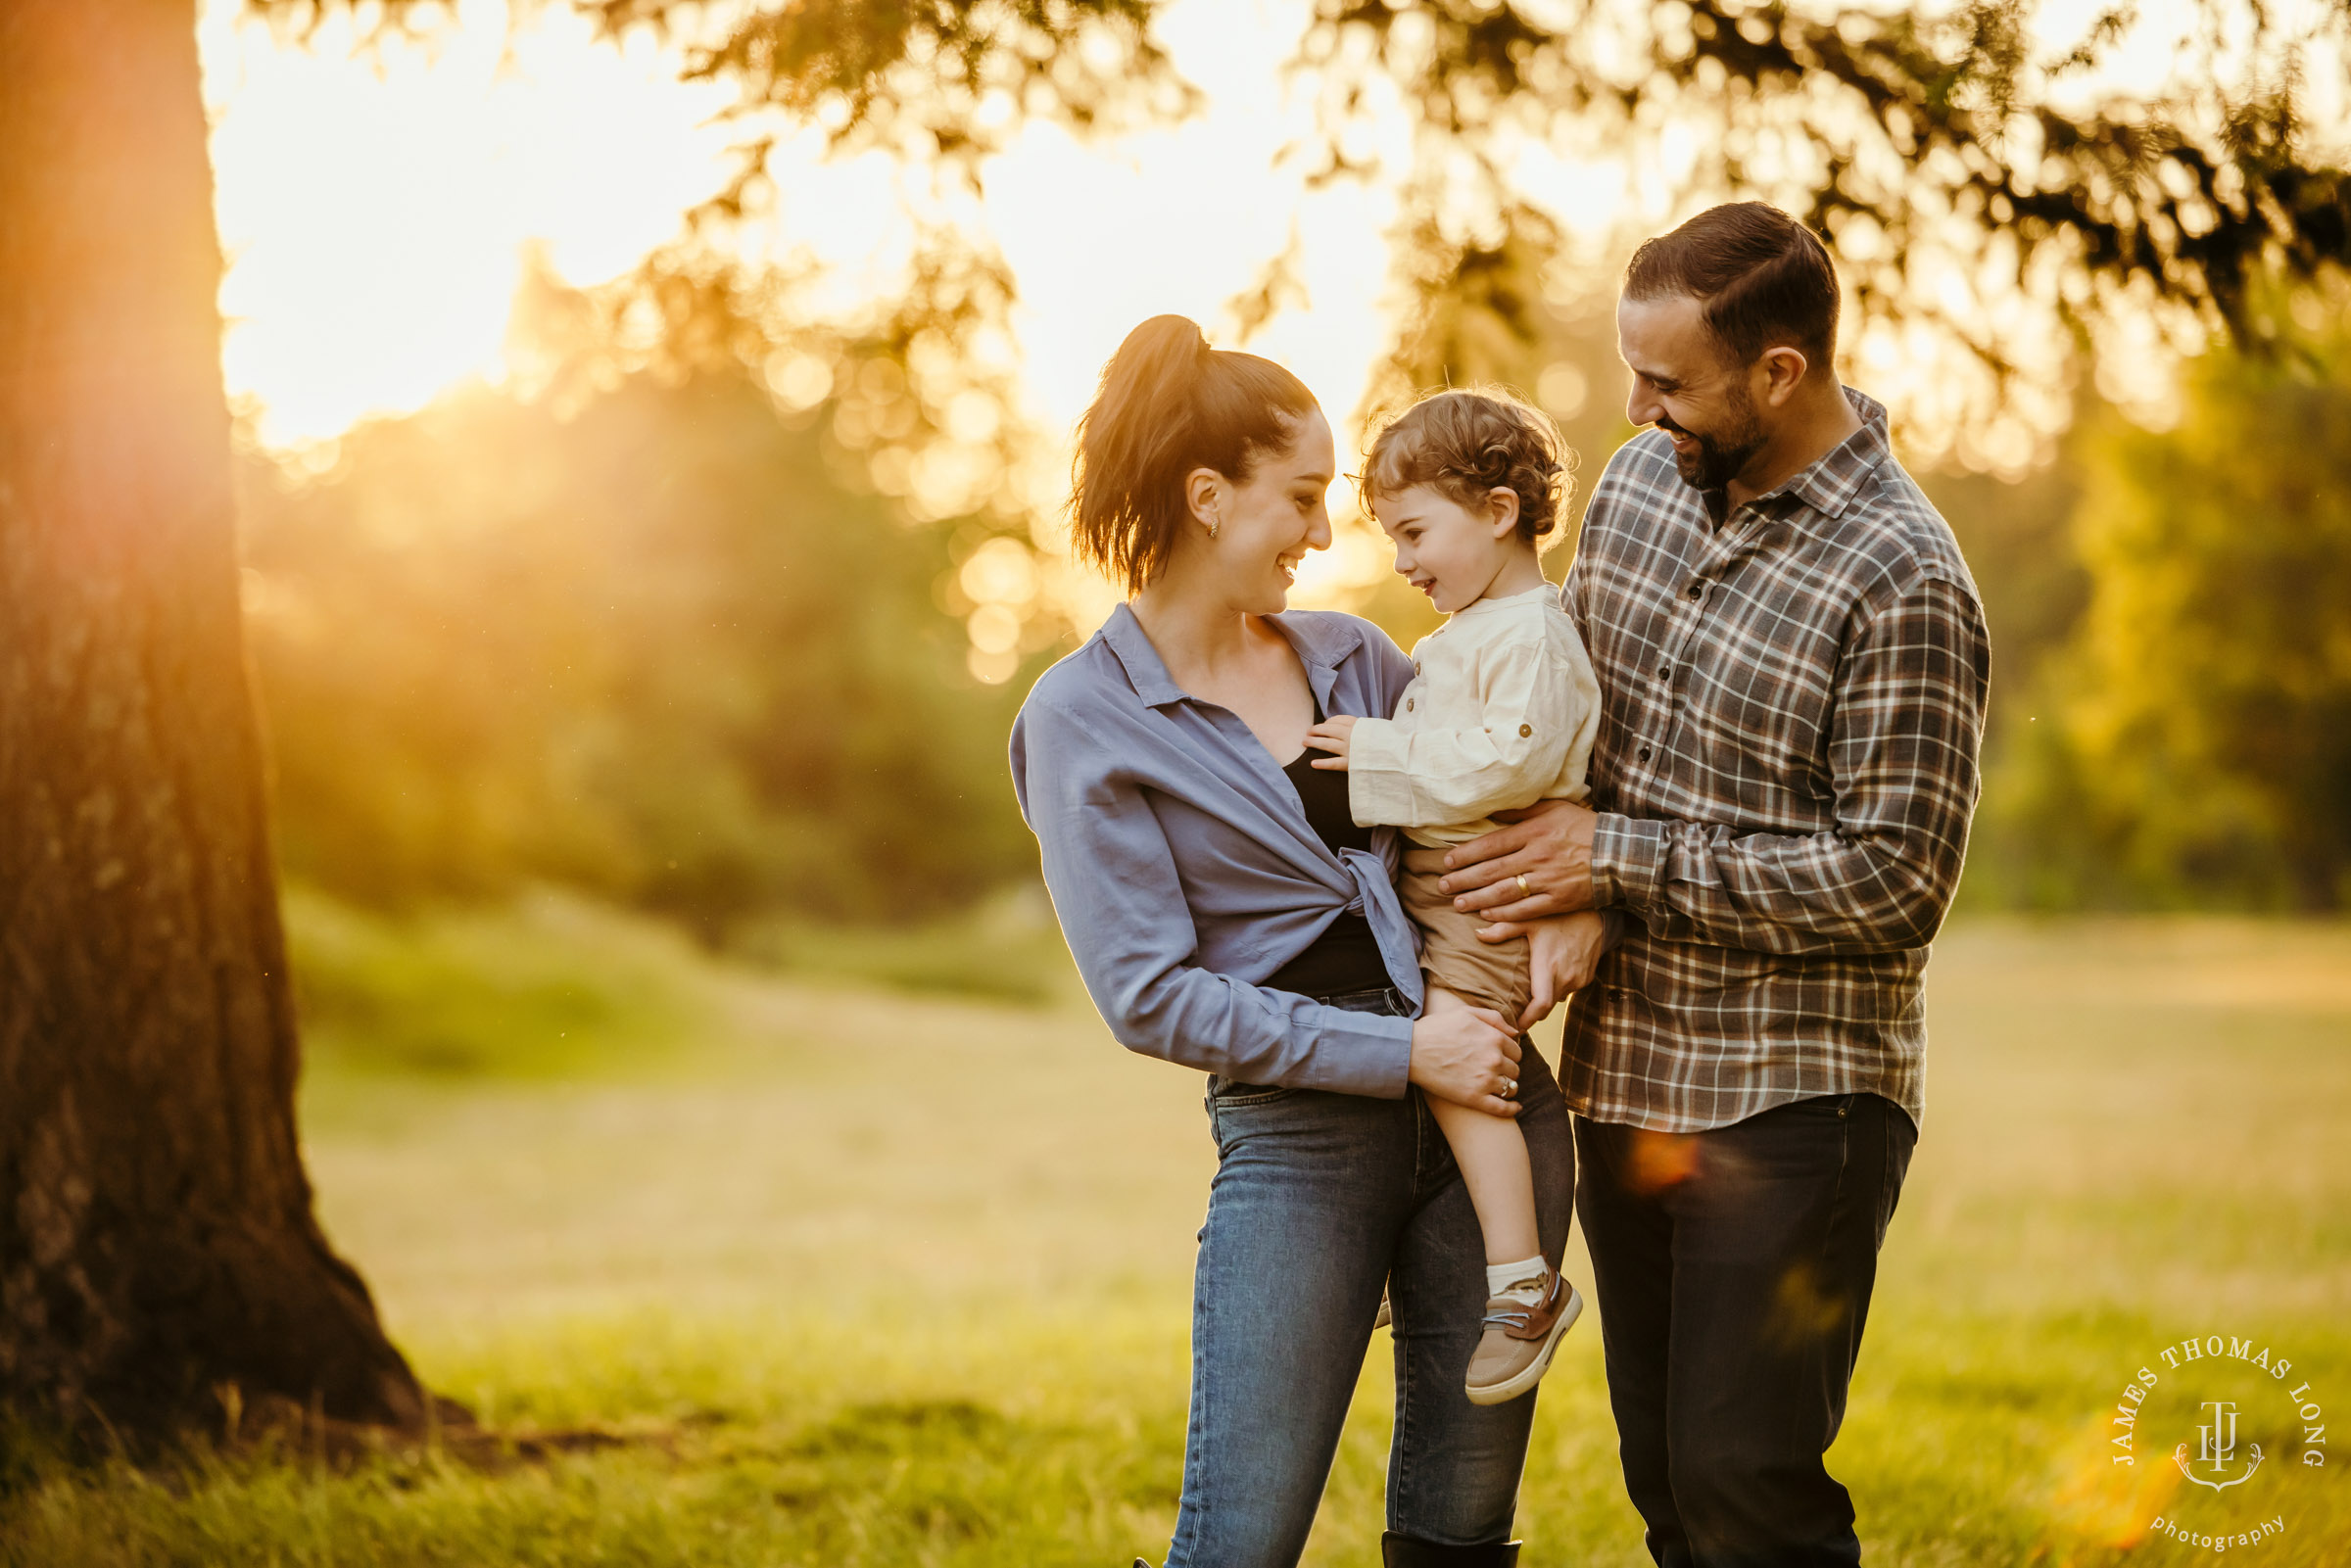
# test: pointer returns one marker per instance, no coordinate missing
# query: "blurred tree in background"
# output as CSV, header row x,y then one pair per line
x,y
1951,158
648,626
2191,742
1954,162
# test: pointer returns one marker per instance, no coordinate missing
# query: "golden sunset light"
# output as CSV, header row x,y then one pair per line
x,y
374,202
375,199
377,195
377,203
1174,783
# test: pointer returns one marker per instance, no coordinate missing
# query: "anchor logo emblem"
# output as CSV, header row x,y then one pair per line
x,y
2217,1448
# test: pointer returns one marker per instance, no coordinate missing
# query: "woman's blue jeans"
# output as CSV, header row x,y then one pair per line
x,y
1319,1199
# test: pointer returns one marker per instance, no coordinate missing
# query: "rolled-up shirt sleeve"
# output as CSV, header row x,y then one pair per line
x,y
1121,906
1902,750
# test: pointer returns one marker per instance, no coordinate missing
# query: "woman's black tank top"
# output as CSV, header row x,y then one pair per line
x,y
1344,958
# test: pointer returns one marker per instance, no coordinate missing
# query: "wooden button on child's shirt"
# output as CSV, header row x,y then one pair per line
x,y
1525,729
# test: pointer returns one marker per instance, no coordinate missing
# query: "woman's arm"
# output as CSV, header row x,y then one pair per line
x,y
1123,910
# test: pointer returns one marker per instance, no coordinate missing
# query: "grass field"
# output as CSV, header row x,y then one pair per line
x,y
815,1274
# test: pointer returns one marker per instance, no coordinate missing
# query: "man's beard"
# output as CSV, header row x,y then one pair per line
x,y
1720,455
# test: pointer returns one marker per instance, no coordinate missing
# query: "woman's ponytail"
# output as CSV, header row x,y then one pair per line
x,y
1168,404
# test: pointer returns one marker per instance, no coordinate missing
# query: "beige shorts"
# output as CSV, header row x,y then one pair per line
x,y
1482,974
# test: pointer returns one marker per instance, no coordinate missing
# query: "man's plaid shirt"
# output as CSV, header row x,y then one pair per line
x,y
1790,711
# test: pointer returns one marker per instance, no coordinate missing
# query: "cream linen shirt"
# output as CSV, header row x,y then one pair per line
x,y
1501,713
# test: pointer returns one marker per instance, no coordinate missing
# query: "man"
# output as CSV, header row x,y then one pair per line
x,y
1793,670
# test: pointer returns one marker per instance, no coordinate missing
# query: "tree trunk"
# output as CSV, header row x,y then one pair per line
x,y
157,1239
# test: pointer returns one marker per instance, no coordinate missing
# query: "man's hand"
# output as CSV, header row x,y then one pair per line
x,y
1563,955
1332,736
1540,864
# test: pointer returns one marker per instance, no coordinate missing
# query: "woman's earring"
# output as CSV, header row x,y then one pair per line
x,y
1212,528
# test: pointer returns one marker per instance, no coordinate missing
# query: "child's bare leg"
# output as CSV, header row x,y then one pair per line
x,y
1492,1154
1528,1305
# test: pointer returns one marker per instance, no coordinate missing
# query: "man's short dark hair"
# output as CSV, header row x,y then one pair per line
x,y
1761,279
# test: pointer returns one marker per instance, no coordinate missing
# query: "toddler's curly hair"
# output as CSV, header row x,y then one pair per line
x,y
1468,443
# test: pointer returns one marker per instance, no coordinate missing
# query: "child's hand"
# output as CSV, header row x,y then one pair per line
x,y
1332,736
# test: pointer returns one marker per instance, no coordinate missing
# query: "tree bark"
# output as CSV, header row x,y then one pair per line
x,y
157,1236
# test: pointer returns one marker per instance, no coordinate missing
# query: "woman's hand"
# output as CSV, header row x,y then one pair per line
x,y
1563,954
1468,1055
1332,736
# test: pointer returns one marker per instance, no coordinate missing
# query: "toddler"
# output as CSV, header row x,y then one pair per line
x,y
1499,714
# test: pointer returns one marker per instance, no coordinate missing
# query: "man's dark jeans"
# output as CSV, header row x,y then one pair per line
x,y
1733,1270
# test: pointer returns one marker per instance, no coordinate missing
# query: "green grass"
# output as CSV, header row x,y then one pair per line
x,y
550,988
867,1278
1008,951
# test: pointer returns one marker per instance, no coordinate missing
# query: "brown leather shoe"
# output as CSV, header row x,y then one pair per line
x,y
1517,1348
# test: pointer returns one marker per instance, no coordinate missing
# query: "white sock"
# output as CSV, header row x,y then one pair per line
x,y
1521,1281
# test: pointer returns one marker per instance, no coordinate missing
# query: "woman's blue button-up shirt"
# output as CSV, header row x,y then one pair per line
x,y
1184,869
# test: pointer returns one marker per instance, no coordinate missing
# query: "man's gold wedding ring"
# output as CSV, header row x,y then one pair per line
x,y
1523,889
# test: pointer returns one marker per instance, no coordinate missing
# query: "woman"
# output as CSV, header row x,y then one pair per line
x,y
1228,915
